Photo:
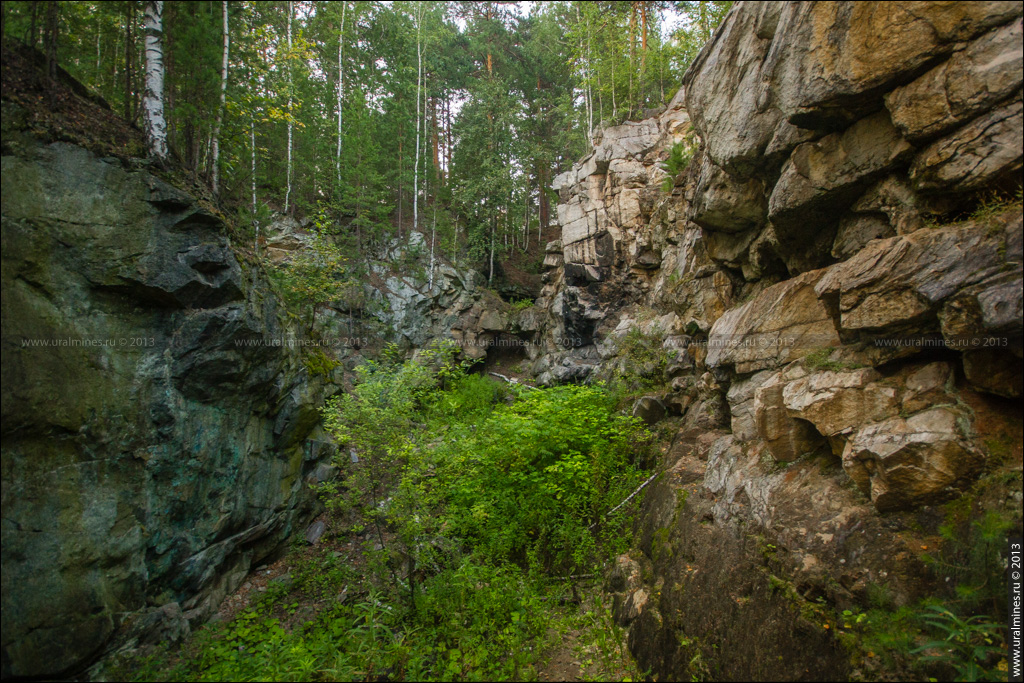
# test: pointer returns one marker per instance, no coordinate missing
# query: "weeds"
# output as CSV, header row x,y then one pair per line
x,y
821,359
473,494
972,646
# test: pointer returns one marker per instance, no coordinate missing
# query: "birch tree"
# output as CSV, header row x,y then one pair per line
x,y
419,85
223,100
288,188
153,102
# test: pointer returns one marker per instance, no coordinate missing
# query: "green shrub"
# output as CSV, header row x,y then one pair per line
x,y
679,158
319,363
474,493
972,646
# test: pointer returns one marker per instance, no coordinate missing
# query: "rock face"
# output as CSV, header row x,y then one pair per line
x,y
177,453
828,306
825,306
795,98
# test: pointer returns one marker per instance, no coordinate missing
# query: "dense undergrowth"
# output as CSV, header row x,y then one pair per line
x,y
480,508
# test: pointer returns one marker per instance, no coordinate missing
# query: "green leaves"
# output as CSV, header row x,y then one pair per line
x,y
473,496
970,645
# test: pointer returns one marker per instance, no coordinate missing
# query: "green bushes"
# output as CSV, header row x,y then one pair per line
x,y
472,493
679,158
519,482
528,482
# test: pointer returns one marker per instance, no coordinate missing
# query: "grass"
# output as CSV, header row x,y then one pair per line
x,y
989,206
821,359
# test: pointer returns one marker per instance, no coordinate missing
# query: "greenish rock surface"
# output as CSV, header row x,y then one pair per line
x,y
156,424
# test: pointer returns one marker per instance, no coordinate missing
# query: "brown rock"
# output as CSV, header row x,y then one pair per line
x,y
787,438
970,82
825,176
836,402
893,197
741,404
856,230
997,371
727,93
721,202
835,58
897,285
986,151
926,386
902,463
650,409
785,322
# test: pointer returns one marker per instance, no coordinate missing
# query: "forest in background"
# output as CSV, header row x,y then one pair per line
x,y
377,118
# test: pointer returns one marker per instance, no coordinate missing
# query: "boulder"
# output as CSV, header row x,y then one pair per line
x,y
839,401
721,202
491,320
315,531
905,462
650,409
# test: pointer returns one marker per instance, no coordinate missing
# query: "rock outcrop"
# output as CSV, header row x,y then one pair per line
x,y
827,305
178,453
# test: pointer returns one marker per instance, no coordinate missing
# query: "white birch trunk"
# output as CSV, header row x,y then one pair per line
x,y
223,101
590,89
252,150
288,186
153,101
433,228
419,81
494,228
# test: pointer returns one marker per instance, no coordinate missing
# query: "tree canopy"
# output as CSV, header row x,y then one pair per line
x,y
370,112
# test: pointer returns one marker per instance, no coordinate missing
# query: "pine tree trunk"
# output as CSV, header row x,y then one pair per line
x,y
153,102
435,138
526,219
494,229
545,206
341,90
50,41
223,102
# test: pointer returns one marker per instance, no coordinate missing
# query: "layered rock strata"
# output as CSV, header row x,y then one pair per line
x,y
827,304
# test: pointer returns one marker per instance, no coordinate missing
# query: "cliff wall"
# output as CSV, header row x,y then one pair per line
x,y
822,318
158,430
